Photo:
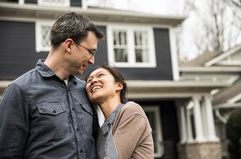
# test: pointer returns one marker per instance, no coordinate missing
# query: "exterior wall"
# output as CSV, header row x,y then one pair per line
x,y
20,50
18,53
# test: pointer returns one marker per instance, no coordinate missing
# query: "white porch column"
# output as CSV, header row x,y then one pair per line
x,y
182,123
189,126
204,118
207,107
198,120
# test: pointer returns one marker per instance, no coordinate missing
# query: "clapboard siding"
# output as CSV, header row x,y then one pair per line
x,y
17,53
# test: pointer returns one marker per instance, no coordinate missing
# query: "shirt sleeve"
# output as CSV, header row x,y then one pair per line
x,y
133,137
13,123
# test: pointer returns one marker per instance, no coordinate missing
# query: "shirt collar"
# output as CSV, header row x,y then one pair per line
x,y
45,71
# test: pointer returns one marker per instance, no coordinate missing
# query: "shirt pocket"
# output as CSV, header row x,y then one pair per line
x,y
51,108
84,108
87,108
51,119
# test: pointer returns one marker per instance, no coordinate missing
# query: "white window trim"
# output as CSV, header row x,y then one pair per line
x,y
160,146
21,2
38,35
65,4
131,63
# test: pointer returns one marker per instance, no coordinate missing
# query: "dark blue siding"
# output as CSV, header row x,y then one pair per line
x,y
17,53
31,1
76,3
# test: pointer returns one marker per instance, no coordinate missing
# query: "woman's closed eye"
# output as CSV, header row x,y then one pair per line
x,y
89,80
98,76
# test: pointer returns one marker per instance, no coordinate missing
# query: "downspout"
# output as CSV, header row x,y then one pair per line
x,y
219,116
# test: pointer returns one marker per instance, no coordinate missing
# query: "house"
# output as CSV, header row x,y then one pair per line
x,y
224,69
178,100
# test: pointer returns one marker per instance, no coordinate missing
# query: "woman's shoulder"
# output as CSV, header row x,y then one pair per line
x,y
133,108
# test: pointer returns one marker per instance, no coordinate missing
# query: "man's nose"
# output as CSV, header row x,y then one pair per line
x,y
92,60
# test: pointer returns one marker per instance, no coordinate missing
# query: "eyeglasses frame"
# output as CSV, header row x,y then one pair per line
x,y
91,53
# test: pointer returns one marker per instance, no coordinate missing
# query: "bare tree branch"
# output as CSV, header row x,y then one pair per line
x,y
216,32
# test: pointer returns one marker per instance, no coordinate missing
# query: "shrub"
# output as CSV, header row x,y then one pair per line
x,y
233,133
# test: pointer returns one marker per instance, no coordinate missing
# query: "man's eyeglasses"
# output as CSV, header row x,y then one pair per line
x,y
91,53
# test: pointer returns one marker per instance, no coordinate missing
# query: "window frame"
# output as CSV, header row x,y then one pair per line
x,y
131,46
160,146
65,4
38,35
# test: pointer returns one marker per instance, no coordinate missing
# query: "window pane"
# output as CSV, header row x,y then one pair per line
x,y
142,55
141,46
120,45
120,55
45,35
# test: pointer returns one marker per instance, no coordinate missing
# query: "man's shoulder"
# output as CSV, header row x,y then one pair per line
x,y
26,78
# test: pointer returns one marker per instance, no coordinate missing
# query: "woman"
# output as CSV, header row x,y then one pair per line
x,y
126,132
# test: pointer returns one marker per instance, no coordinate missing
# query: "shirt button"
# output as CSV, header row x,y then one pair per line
x,y
54,111
77,129
81,151
72,108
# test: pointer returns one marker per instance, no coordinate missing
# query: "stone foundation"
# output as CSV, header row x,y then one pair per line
x,y
204,150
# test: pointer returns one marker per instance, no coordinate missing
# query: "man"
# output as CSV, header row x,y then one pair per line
x,y
45,113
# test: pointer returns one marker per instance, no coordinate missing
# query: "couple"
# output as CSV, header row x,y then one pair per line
x,y
46,114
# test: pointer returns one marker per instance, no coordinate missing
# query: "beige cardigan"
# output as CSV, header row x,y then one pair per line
x,y
132,133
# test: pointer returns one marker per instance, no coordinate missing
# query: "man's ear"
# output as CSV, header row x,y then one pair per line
x,y
68,44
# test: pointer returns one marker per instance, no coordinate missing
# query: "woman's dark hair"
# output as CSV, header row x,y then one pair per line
x,y
118,78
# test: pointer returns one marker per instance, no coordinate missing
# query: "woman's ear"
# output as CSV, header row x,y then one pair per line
x,y
119,86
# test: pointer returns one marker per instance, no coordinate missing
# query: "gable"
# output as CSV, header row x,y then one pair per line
x,y
231,57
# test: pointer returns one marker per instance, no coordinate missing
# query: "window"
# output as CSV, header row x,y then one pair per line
x,y
63,3
131,46
42,36
153,115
